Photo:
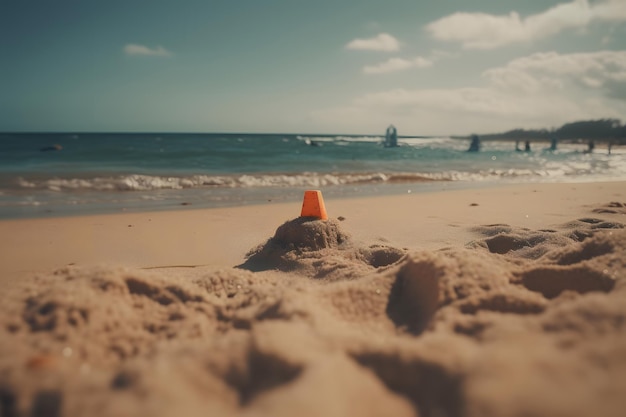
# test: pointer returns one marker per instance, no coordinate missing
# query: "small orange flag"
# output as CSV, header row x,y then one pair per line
x,y
313,205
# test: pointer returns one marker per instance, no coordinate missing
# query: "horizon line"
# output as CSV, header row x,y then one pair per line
x,y
113,132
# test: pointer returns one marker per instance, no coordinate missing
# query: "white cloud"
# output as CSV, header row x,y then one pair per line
x,y
612,10
135,49
486,31
383,42
397,64
537,91
556,71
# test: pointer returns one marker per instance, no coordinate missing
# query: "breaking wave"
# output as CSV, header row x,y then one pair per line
x,y
149,182
138,182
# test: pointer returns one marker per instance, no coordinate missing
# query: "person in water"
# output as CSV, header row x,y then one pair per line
x,y
391,136
475,144
527,146
55,147
553,144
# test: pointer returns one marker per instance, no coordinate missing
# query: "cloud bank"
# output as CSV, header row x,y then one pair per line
x,y
383,42
555,72
136,49
487,31
539,90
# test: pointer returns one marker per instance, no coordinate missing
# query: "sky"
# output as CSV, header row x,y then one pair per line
x,y
445,67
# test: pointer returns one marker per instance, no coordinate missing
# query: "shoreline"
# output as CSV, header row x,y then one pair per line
x,y
224,198
125,202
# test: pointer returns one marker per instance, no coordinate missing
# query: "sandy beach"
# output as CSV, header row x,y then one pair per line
x,y
499,301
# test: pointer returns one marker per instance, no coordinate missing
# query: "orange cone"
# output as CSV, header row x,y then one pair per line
x,y
313,205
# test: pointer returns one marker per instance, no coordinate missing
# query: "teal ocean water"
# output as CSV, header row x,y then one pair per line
x,y
62,174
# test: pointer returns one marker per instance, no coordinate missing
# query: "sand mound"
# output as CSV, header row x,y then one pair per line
x,y
532,244
520,322
319,249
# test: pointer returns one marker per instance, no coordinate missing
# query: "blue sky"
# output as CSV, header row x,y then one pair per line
x,y
342,66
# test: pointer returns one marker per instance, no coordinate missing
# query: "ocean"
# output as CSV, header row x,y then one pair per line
x,y
44,174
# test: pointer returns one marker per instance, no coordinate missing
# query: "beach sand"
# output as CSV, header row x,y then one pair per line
x,y
501,301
